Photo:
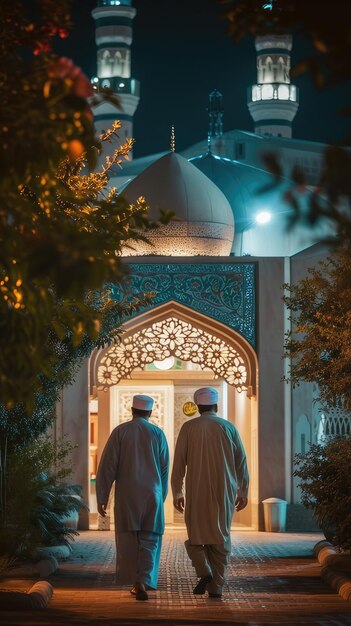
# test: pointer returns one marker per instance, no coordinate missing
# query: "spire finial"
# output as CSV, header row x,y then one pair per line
x,y
172,139
215,115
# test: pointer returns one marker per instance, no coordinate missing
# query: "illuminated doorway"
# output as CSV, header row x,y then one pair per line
x,y
168,354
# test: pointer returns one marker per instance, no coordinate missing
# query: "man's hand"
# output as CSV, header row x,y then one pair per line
x,y
178,504
240,503
102,509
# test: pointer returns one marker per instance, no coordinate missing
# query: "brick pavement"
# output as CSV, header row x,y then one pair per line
x,y
272,579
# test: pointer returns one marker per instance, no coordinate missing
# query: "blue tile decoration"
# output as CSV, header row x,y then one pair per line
x,y
222,291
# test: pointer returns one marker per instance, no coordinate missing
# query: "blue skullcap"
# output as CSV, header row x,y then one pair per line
x,y
206,396
144,403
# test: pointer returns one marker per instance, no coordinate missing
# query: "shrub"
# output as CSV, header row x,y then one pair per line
x,y
38,497
326,487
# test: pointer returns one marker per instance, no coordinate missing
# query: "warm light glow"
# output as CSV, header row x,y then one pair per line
x,y
165,340
93,406
263,217
166,364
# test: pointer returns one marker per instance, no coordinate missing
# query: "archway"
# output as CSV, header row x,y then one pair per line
x,y
217,355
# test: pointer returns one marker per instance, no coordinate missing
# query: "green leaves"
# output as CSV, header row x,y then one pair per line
x,y
324,472
320,346
38,497
62,231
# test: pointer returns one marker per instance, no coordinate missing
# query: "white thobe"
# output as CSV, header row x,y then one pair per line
x,y
210,452
136,458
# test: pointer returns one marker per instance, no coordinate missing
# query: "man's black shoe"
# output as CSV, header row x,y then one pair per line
x,y
214,595
139,592
141,595
200,588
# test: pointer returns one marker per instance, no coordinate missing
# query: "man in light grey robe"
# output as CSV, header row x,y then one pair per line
x,y
210,452
136,458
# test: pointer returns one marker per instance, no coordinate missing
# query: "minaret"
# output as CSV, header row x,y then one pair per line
x,y
273,101
113,36
215,122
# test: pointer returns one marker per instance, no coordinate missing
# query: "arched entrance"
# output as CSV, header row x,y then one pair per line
x,y
205,352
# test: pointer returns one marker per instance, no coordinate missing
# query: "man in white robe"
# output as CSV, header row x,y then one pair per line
x,y
136,458
210,452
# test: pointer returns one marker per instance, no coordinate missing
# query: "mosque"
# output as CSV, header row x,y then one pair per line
x,y
218,272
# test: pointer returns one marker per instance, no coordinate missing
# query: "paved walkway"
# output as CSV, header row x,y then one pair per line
x,y
272,579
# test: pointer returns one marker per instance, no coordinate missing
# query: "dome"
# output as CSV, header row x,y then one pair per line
x,y
204,223
248,189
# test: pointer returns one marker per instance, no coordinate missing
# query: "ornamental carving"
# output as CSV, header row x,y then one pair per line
x,y
222,291
172,337
186,239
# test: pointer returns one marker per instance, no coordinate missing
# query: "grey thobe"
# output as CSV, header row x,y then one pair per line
x,y
210,452
136,457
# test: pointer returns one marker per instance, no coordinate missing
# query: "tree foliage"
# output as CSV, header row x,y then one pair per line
x,y
320,305
61,230
319,343
325,477
37,506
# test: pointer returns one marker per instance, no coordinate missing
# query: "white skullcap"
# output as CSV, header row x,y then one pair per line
x,y
206,396
144,403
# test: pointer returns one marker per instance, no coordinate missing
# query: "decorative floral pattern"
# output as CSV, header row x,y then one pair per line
x,y
172,337
124,403
221,291
186,239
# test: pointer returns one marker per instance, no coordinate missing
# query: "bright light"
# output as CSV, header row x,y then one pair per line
x,y
166,364
267,92
283,92
93,406
121,85
256,93
263,217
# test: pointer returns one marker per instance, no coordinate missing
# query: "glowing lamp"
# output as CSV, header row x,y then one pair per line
x,y
263,217
166,364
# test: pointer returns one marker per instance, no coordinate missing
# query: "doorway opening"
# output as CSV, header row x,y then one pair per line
x,y
168,356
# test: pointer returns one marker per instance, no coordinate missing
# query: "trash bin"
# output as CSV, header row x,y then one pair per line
x,y
274,511
104,523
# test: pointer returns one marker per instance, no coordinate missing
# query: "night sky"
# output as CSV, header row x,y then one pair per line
x,y
180,53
